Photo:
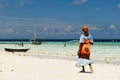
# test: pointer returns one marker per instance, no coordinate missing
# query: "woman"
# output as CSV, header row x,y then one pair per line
x,y
84,49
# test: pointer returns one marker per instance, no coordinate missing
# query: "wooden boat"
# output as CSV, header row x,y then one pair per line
x,y
36,41
16,50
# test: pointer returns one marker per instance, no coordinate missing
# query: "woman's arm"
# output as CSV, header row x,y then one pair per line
x,y
80,48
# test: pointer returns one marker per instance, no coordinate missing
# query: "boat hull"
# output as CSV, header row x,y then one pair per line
x,y
16,50
36,43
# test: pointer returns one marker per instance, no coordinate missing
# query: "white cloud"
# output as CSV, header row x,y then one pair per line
x,y
95,28
61,33
45,29
112,27
23,3
68,28
29,31
118,5
6,30
98,9
77,2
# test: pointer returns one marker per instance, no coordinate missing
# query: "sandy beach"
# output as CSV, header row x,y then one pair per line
x,y
24,67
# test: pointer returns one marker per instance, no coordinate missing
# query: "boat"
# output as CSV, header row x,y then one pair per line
x,y
36,41
16,50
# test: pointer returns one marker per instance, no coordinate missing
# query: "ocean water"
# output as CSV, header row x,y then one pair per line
x,y
99,49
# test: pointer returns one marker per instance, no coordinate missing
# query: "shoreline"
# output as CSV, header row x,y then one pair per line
x,y
99,60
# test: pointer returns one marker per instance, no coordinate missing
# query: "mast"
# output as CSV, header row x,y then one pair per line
x,y
35,34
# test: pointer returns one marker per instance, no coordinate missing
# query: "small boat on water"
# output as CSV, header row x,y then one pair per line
x,y
36,41
16,50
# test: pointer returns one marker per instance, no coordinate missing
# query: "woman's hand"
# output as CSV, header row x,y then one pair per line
x,y
78,53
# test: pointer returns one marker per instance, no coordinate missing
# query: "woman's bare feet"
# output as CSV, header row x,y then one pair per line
x,y
91,69
82,71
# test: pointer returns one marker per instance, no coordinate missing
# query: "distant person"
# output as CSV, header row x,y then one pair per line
x,y
22,44
84,49
64,44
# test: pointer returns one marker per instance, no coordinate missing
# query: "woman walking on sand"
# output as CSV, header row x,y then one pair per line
x,y
84,49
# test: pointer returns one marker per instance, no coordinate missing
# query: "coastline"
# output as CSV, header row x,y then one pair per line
x,y
99,60
27,66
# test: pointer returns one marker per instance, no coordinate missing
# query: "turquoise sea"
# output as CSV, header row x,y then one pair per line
x,y
99,49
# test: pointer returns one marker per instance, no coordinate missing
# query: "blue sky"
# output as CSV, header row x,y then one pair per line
x,y
59,19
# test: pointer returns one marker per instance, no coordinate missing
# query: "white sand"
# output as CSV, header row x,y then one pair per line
x,y
14,67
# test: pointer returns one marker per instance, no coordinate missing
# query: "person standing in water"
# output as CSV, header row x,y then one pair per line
x,y
83,53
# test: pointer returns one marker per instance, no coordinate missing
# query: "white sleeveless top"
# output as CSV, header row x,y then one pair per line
x,y
83,37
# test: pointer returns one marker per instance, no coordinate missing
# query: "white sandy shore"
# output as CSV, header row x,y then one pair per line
x,y
15,67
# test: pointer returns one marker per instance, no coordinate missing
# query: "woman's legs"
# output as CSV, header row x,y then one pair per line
x,y
91,68
83,69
